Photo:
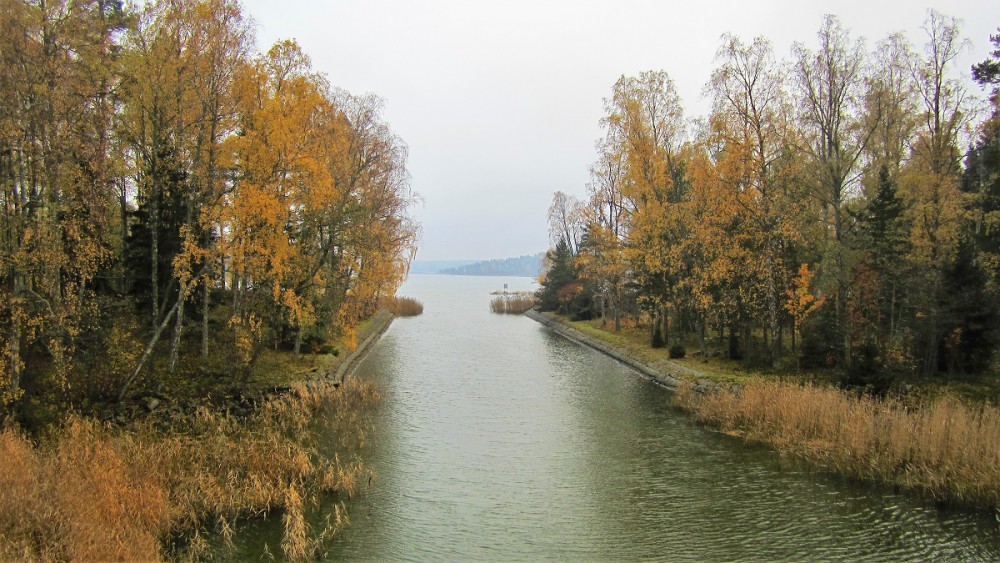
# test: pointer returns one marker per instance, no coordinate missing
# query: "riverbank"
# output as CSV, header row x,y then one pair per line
x,y
943,448
662,371
160,479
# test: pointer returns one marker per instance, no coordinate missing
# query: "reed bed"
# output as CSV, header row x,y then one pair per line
x,y
90,491
512,303
945,449
404,306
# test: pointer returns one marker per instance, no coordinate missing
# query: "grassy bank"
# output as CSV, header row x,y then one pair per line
x,y
150,477
151,490
945,449
929,440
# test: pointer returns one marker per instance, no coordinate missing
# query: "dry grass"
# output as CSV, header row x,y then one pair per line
x,y
88,491
404,306
945,449
513,303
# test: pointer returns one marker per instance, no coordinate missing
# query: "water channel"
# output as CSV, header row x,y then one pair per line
x,y
499,440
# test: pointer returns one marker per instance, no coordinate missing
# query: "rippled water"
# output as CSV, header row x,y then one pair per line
x,y
500,440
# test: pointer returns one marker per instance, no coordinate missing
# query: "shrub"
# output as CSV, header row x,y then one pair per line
x,y
90,491
677,351
867,371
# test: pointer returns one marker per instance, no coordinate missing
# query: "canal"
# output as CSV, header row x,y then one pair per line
x,y
499,440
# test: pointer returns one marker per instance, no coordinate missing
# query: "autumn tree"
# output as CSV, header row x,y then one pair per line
x,y
645,128
602,257
830,84
601,263
751,119
930,181
56,113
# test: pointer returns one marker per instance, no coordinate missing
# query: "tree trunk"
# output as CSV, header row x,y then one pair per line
x,y
123,208
155,253
205,295
734,343
748,345
298,342
665,319
14,355
175,343
149,347
702,340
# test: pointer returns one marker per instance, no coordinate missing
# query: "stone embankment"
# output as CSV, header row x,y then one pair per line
x,y
664,372
377,326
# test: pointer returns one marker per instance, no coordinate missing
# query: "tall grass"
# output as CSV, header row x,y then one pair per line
x,y
89,491
404,306
512,303
945,449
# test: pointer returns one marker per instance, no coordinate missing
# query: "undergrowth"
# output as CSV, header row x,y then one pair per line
x,y
90,491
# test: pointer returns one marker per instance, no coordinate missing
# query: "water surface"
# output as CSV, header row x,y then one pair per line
x,y
499,440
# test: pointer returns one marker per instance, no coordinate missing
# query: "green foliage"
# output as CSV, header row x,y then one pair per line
x,y
971,320
988,71
819,346
869,372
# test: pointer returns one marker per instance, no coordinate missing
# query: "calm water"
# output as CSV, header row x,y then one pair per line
x,y
498,440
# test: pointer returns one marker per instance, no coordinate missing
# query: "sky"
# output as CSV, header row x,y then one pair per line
x,y
500,102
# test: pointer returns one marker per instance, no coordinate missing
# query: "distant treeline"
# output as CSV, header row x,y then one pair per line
x,y
527,265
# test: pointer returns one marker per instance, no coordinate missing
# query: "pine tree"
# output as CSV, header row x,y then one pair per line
x,y
970,318
883,242
562,275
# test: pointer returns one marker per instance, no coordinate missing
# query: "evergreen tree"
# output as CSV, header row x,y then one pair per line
x,y
879,288
561,282
970,316
982,174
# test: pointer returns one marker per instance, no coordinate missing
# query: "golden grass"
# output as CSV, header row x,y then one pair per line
x,y
945,449
513,303
89,491
404,306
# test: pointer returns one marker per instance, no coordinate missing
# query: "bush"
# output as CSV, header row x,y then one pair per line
x,y
868,372
329,349
677,351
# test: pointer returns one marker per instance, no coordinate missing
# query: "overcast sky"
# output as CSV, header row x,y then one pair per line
x,y
499,102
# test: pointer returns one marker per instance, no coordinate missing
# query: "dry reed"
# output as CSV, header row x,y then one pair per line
x,y
512,303
404,306
946,449
89,491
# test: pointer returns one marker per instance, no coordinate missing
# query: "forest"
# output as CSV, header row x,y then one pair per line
x,y
174,202
526,266
838,208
